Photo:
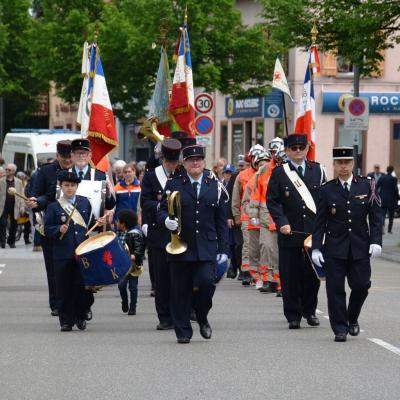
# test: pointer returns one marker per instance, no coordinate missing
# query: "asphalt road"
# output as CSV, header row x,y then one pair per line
x,y
252,354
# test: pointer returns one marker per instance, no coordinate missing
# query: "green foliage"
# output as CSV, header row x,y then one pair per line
x,y
226,55
357,29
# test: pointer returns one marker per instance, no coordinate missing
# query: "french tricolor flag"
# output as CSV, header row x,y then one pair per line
x,y
181,104
102,133
305,122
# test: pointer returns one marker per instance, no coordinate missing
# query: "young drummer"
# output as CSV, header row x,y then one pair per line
x,y
67,221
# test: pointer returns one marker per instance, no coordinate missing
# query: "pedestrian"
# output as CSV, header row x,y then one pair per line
x,y
347,233
204,230
389,194
118,170
11,207
218,168
67,221
130,234
229,170
2,172
42,193
157,235
292,193
376,174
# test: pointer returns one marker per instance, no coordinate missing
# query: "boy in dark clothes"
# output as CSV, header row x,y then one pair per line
x,y
130,234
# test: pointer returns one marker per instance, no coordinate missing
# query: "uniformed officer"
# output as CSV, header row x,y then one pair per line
x,y
153,185
348,215
66,237
292,192
43,193
204,229
81,156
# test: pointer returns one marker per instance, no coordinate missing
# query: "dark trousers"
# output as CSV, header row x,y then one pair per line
x,y
3,226
192,285
48,262
238,245
27,231
390,211
299,283
162,282
70,291
131,282
151,267
358,274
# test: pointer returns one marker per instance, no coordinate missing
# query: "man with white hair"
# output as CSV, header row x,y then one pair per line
x,y
10,206
118,168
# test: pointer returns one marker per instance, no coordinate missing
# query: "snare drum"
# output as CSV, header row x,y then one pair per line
x,y
102,260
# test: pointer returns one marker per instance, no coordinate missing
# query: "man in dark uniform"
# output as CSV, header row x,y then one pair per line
x,y
43,193
81,157
153,185
204,229
344,206
291,196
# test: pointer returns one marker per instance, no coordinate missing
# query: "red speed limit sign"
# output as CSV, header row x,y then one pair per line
x,y
203,103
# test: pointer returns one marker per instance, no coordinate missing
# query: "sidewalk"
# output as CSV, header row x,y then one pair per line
x,y
391,243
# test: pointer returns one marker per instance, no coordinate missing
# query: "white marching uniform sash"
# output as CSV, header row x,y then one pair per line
x,y
300,187
161,176
68,208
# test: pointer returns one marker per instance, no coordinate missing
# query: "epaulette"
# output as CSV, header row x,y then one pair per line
x,y
334,180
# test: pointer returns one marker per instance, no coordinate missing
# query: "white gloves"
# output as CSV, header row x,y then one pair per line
x,y
221,258
318,258
254,221
375,250
144,229
171,224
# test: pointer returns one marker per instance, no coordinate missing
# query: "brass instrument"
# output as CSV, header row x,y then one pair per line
x,y
149,130
176,245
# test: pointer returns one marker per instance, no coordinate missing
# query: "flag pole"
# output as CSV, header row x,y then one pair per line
x,y
284,107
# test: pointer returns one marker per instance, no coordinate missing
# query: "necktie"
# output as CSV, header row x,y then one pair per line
x,y
300,170
195,184
81,175
346,187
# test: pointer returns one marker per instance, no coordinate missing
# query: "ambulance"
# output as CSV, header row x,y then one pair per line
x,y
24,147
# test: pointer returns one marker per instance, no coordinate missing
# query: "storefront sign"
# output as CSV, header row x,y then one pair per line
x,y
379,103
273,105
243,108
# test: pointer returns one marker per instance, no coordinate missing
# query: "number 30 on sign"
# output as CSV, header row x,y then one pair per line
x,y
203,103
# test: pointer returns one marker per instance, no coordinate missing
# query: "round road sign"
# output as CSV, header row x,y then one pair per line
x,y
203,103
204,125
356,107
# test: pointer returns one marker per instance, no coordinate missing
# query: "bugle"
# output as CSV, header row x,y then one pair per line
x,y
149,130
176,245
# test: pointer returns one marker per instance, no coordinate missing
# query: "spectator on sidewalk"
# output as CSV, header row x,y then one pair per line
x,y
376,174
389,193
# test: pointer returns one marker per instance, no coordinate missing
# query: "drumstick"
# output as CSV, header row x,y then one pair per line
x,y
13,192
68,221
92,228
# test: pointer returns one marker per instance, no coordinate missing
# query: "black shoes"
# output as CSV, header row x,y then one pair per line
x,y
124,306
240,276
12,245
132,310
312,320
164,326
54,312
193,316
340,337
3,245
354,329
231,274
28,242
269,287
81,325
66,328
152,293
183,340
89,315
205,330
294,325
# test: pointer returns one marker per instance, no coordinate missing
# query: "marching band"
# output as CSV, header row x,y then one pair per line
x,y
277,222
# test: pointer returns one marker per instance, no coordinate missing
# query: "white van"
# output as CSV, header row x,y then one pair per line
x,y
24,147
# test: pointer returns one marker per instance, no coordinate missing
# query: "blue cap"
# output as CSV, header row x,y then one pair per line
x,y
296,139
229,168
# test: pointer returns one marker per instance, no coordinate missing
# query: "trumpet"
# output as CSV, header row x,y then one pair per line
x,y
149,130
176,245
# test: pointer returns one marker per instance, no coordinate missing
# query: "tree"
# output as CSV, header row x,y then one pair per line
x,y
358,30
226,55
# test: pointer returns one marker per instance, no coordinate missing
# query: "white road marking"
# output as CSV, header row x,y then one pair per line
x,y
386,345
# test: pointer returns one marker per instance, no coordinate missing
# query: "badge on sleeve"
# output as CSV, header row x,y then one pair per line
x,y
333,209
63,218
159,195
287,193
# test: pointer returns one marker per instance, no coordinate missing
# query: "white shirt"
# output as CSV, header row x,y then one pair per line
x,y
84,170
198,181
302,165
348,182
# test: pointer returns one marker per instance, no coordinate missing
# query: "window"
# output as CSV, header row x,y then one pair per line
x,y
280,129
260,133
224,141
30,164
237,142
19,161
343,66
248,143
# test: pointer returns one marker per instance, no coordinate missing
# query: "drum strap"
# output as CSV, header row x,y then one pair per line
x,y
301,188
67,207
